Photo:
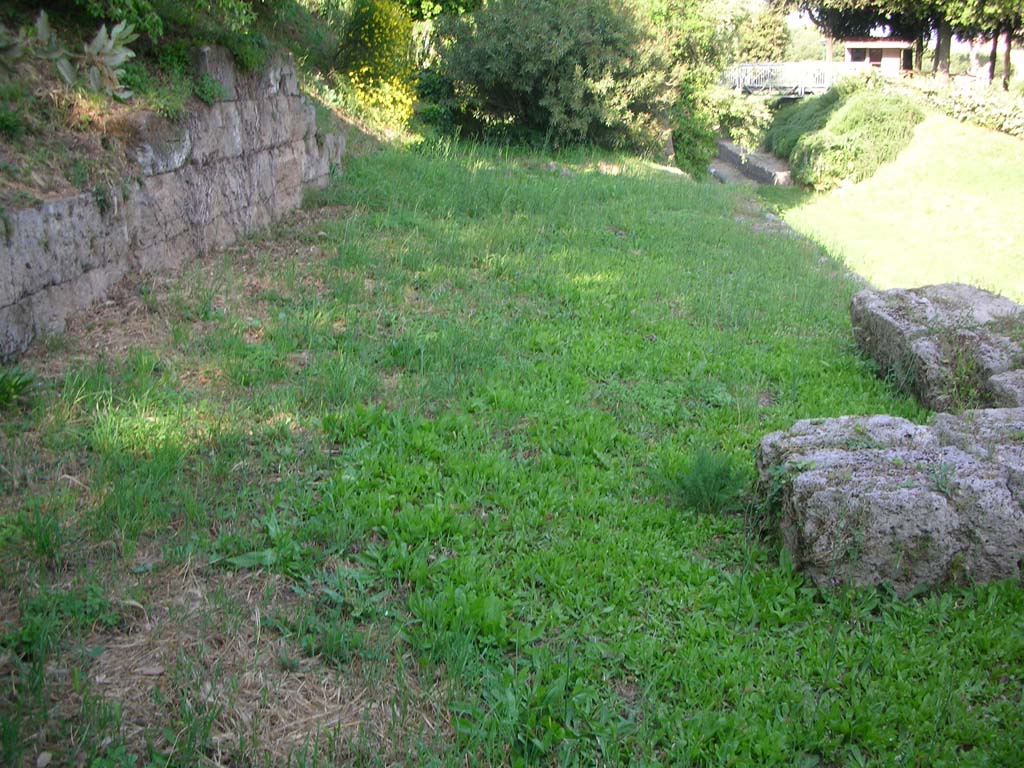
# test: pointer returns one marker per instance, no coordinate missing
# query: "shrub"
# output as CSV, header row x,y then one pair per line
x,y
693,138
990,108
744,119
588,71
376,58
868,130
845,134
797,120
14,384
377,44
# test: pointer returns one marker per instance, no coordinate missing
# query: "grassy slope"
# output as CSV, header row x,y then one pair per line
x,y
948,209
458,408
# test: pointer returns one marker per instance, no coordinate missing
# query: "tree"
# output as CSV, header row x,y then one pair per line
x,y
766,37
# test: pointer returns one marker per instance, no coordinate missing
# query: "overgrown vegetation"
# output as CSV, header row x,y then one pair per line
x,y
951,193
845,134
591,71
429,429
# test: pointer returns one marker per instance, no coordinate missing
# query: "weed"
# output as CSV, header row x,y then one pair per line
x,y
12,124
708,482
208,90
943,479
432,413
15,384
102,197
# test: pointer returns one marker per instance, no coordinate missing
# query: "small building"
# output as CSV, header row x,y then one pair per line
x,y
889,55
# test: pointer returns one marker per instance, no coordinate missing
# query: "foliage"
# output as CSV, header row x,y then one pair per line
x,y
428,9
743,119
12,125
14,384
989,108
693,138
587,71
376,58
868,130
766,37
140,14
99,65
148,16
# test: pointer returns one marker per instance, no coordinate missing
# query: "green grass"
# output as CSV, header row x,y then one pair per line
x,y
473,412
947,209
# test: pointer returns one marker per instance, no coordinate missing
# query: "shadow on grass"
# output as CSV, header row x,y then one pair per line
x,y
782,199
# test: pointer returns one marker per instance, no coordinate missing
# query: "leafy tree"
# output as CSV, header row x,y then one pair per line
x,y
420,10
766,37
588,71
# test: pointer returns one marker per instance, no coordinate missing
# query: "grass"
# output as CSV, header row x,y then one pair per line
x,y
413,450
945,210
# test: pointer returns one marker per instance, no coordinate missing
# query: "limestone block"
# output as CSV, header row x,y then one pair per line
x,y
1007,389
157,144
218,64
872,500
944,343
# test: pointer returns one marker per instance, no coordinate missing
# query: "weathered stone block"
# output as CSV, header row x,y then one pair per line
x,y
949,345
871,500
218,64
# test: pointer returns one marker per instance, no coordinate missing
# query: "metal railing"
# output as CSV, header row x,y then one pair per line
x,y
789,78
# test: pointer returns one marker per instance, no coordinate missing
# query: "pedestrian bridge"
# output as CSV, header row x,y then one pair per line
x,y
788,79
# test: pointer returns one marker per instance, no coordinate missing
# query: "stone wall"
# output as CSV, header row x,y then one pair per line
x,y
224,171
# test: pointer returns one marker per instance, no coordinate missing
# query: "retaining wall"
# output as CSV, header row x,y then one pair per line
x,y
224,171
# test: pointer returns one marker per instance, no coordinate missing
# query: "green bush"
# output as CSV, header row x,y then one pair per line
x,y
991,108
797,120
588,71
743,119
693,138
867,131
845,134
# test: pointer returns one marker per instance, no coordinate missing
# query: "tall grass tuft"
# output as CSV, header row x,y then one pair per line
x,y
708,482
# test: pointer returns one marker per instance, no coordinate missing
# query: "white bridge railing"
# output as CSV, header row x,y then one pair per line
x,y
789,78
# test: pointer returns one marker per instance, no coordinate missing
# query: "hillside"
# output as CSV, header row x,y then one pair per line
x,y
947,209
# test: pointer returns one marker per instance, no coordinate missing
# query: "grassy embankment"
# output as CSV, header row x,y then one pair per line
x,y
947,209
396,484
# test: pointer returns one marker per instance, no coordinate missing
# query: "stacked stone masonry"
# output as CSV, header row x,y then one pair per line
x,y
225,171
867,500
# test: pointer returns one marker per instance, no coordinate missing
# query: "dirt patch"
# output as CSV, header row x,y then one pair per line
x,y
199,652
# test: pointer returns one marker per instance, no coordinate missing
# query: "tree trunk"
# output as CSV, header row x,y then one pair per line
x,y
919,53
830,49
993,57
1007,63
942,46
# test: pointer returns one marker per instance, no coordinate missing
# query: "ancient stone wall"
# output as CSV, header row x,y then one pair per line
x,y
226,170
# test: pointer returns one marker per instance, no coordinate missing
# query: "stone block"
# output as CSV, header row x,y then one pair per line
x,y
218,64
949,345
872,500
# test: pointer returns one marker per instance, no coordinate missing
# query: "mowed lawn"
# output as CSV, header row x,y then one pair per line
x,y
948,209
416,453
